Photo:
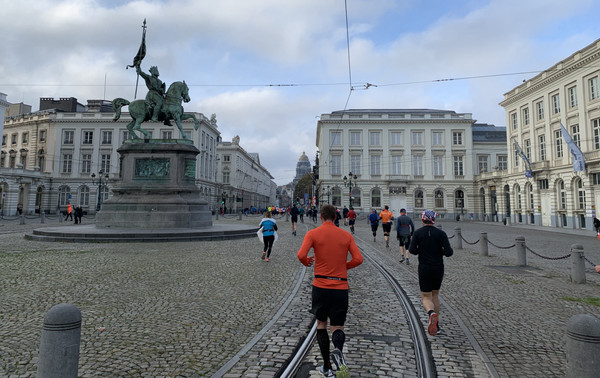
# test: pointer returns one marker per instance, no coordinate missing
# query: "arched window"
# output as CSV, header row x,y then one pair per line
x,y
439,199
580,194
84,196
561,195
419,197
376,197
63,195
459,199
104,192
518,191
356,197
336,197
529,195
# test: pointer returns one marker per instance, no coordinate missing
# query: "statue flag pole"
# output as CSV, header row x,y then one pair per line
x,y
137,60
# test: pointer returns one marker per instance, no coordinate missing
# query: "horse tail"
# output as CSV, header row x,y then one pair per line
x,y
117,104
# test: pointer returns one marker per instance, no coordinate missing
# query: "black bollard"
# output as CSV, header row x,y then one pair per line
x,y
59,345
43,217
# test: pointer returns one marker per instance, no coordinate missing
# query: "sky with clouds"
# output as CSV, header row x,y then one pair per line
x,y
269,68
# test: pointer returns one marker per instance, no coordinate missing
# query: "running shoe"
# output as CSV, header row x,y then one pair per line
x,y
267,259
341,370
439,331
326,373
264,255
387,244
432,327
407,262
402,259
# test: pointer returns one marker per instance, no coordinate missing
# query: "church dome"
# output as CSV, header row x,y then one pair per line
x,y
303,157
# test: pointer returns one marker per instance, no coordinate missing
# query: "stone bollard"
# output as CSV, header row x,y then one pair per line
x,y
43,217
59,215
577,264
240,216
217,215
583,346
22,220
458,236
59,346
483,240
521,256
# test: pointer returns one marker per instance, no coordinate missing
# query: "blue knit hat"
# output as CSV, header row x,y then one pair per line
x,y
428,216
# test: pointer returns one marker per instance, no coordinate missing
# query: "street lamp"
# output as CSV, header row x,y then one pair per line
x,y
349,183
328,195
100,182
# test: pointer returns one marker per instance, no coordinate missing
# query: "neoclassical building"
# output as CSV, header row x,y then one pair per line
x,y
406,158
555,195
48,157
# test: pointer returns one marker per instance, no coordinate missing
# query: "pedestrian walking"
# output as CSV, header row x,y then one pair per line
x,y
431,244
78,214
351,219
268,231
69,212
301,213
404,230
386,217
294,212
338,217
345,215
331,246
597,225
374,220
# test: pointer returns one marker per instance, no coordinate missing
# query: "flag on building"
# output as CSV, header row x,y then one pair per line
x,y
526,162
578,161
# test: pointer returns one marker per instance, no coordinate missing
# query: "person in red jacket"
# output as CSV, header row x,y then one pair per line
x,y
331,245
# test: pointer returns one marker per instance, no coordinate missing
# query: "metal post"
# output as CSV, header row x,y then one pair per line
x,y
22,221
43,217
521,256
577,264
59,345
583,346
458,236
483,240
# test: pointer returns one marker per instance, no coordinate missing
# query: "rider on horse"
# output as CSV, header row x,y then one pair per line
x,y
156,92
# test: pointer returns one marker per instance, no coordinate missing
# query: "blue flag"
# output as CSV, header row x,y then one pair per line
x,y
525,159
578,161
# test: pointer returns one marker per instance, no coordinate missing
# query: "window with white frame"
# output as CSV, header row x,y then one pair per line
x,y
527,144
457,137
376,197
375,162
68,136
167,134
105,163
126,135
67,163
518,191
86,163
438,199
502,162
88,137
596,133
336,165
526,116
417,138
335,138
438,165
513,121
227,158
106,137
458,166
355,161
396,164
542,143
355,138
517,158
417,165
42,136
555,104
419,199
84,196
437,138
25,138
562,195
580,195
225,177
572,91
14,138
575,135
104,192
63,195
593,85
375,138
540,110
483,163
558,149
396,138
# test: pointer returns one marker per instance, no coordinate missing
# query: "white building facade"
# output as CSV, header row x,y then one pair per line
x,y
48,158
406,158
243,182
556,195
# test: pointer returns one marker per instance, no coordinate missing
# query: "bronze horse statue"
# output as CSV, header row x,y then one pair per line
x,y
171,110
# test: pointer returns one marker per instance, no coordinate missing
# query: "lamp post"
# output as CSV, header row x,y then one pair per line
x,y
100,182
328,195
350,183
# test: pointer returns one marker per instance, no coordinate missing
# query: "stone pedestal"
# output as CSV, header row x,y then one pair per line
x,y
157,188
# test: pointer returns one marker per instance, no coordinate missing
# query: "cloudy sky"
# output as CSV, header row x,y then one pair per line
x,y
269,68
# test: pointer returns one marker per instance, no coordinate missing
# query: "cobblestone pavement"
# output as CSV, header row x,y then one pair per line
x,y
185,309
